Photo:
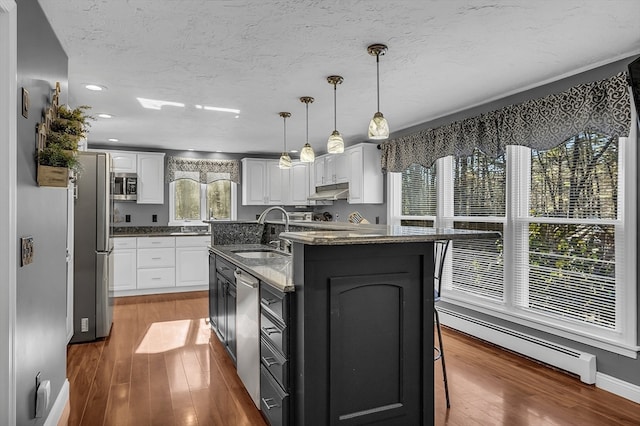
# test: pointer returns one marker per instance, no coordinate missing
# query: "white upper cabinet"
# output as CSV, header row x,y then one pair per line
x,y
124,162
277,183
299,184
254,186
264,183
150,178
318,168
365,174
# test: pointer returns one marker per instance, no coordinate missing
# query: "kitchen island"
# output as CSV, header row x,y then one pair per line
x,y
358,332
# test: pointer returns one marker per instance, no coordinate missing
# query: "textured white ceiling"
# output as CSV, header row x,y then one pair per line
x,y
260,56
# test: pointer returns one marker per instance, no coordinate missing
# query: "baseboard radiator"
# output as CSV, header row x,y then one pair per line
x,y
562,357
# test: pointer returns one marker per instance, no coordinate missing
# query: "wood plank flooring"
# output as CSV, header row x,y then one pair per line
x,y
162,366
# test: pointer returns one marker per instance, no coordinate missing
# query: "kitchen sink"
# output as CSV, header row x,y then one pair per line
x,y
261,254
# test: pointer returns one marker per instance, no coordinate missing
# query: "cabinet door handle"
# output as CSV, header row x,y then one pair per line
x,y
270,330
268,302
269,361
267,403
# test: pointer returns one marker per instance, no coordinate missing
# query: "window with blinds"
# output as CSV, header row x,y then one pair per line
x,y
479,188
567,220
419,191
573,212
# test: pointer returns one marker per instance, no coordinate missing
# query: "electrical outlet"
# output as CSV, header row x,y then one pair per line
x,y
84,325
127,218
26,250
154,218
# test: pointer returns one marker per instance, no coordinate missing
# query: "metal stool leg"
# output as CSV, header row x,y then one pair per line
x,y
441,356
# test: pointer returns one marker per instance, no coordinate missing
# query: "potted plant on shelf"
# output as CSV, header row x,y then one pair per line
x,y
57,150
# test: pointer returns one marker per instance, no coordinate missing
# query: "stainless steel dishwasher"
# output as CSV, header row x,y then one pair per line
x,y
248,333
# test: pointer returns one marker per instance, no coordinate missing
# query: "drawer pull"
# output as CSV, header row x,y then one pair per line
x,y
267,403
270,330
155,242
269,361
267,302
156,279
156,258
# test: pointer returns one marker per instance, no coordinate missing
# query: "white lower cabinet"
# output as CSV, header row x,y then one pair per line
x,y
124,261
192,261
156,262
147,265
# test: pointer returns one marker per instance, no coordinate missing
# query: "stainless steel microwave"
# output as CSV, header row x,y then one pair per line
x,y
125,187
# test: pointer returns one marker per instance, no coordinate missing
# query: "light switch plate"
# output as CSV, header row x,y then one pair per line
x,y
25,103
26,250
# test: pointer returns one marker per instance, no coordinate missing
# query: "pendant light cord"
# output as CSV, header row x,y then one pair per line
x,y
378,78
335,108
307,104
284,122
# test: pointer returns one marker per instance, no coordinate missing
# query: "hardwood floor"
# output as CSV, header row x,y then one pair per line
x,y
162,366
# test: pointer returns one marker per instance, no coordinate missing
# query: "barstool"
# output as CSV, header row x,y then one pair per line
x,y
440,253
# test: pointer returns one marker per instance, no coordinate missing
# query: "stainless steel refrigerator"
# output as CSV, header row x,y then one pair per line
x,y
93,247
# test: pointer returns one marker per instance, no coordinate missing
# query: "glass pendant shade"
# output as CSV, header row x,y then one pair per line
x,y
335,144
378,127
285,161
307,155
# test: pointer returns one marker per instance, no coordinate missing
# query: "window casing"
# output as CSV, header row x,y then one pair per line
x,y
560,266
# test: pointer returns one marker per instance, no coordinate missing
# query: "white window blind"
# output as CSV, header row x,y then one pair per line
x,y
573,205
478,204
419,191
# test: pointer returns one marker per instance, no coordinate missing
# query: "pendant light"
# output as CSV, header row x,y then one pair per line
x,y
378,127
307,155
285,160
335,144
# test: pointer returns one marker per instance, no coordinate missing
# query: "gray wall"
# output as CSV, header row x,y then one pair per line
x,y
41,286
141,214
609,363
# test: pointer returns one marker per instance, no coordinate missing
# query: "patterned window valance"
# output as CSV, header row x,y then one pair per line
x,y
205,169
602,106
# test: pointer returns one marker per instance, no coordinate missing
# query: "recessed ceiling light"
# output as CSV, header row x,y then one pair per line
x,y
219,109
103,115
94,87
190,149
113,140
158,104
237,116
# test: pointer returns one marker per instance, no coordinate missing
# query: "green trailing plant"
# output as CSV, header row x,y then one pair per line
x,y
55,156
63,136
72,121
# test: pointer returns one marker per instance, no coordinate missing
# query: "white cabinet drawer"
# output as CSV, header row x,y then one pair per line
x,y
156,258
156,277
156,242
197,241
124,243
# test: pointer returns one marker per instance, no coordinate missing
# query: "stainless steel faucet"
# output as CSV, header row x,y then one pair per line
x,y
286,244
263,216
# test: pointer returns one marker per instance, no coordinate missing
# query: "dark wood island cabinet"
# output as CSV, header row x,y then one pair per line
x,y
346,326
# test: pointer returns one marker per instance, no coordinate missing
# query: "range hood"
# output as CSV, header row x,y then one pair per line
x,y
330,192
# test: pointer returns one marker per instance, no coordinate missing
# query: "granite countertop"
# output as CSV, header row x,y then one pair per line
x,y
382,234
276,271
158,231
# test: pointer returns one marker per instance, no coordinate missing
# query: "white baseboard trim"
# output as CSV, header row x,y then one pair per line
x,y
58,406
619,387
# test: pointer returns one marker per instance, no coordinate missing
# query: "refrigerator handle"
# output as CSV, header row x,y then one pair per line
x,y
102,201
